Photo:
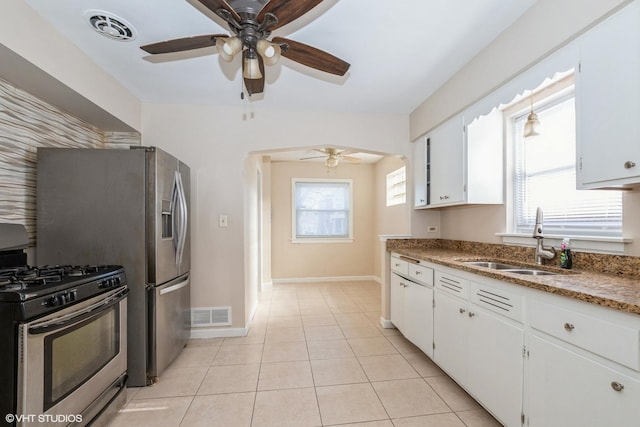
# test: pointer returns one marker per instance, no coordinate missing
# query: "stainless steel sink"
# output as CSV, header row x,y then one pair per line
x,y
530,272
492,265
508,268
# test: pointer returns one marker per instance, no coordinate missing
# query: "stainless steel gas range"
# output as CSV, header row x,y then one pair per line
x,y
64,337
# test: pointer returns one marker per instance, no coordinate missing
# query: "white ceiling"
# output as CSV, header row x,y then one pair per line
x,y
400,51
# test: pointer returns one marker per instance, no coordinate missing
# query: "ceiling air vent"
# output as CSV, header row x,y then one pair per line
x,y
110,25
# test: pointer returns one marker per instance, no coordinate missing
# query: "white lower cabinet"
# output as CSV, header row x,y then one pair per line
x,y
412,303
568,389
418,321
495,364
481,350
561,362
451,334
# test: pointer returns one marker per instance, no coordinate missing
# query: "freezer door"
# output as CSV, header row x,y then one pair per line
x,y
170,322
165,213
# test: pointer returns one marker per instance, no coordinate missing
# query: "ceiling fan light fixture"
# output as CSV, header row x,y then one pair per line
x,y
270,52
228,47
251,68
332,161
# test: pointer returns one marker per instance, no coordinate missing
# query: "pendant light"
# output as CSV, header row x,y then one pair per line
x,y
531,126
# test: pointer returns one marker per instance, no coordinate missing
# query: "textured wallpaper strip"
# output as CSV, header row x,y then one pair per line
x,y
27,123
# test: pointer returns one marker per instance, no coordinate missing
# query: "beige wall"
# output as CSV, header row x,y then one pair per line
x,y
389,220
326,260
215,143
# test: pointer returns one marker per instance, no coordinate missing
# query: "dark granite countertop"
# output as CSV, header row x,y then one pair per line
x,y
610,281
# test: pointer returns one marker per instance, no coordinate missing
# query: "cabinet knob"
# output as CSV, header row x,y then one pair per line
x,y
471,314
569,327
629,164
462,311
617,386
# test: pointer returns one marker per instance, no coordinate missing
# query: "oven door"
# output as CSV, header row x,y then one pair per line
x,y
74,360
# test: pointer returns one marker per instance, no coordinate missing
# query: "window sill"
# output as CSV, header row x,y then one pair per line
x,y
603,245
320,240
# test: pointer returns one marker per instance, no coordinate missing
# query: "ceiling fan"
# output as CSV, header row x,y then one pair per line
x,y
333,156
251,23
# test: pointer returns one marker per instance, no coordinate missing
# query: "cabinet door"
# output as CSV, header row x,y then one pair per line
x,y
420,175
418,321
451,335
397,301
447,164
608,102
495,368
567,389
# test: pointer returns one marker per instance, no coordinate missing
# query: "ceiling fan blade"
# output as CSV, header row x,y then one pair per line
x,y
286,10
314,157
215,5
321,150
312,57
179,45
350,159
253,86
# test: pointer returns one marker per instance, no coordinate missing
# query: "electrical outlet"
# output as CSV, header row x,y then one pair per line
x,y
432,229
222,221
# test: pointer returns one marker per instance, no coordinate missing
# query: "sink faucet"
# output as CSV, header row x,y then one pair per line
x,y
541,251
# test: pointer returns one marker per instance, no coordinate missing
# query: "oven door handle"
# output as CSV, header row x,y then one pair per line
x,y
77,316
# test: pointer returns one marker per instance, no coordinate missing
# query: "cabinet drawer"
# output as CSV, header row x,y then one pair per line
x,y
497,300
451,284
421,274
399,266
612,341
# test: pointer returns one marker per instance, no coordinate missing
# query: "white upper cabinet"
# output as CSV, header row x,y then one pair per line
x,y
445,150
420,173
462,164
608,102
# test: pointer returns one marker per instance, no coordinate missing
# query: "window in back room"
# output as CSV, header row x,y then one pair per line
x,y
397,187
322,210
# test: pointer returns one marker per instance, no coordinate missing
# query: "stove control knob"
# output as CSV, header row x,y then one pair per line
x,y
54,301
73,295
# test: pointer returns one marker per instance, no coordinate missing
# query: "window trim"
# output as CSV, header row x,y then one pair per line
x,y
294,238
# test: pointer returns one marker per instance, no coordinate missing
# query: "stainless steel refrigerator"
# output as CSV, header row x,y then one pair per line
x,y
130,208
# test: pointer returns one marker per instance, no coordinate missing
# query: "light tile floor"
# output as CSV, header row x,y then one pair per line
x,y
315,356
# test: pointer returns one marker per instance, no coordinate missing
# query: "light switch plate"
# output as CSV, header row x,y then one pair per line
x,y
222,221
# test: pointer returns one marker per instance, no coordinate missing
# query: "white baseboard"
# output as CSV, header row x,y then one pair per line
x,y
201,333
386,323
326,279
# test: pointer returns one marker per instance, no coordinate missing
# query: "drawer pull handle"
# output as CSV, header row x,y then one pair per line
x,y
629,164
418,273
462,311
471,314
617,386
569,327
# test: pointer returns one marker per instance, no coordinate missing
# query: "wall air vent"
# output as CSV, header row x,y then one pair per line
x,y
210,316
110,25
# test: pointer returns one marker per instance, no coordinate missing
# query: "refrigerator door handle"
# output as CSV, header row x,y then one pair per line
x,y
182,237
174,288
175,227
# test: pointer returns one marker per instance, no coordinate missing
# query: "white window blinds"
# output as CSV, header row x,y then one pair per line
x,y
545,173
322,209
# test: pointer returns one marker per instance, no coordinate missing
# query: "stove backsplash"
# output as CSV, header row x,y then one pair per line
x,y
30,123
